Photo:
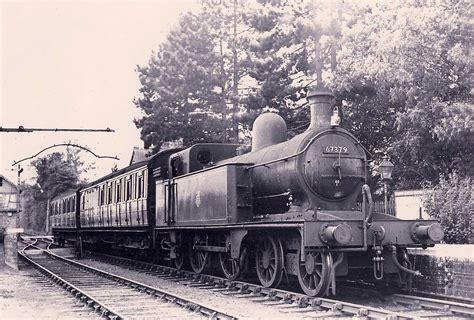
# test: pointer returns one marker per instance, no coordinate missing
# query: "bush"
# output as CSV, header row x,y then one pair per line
x,y
452,203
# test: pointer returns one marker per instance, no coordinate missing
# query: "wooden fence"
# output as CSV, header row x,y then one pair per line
x,y
380,206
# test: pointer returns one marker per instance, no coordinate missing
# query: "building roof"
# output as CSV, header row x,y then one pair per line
x,y
4,179
139,155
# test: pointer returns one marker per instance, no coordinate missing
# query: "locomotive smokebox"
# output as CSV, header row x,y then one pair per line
x,y
320,101
268,129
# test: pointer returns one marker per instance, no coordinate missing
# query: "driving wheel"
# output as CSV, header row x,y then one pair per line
x,y
232,268
269,262
198,258
314,273
179,260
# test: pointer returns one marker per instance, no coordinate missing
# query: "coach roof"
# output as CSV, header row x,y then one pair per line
x,y
66,194
116,173
131,167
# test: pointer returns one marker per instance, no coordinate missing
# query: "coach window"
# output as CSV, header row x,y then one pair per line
x,y
118,190
109,193
74,204
99,197
140,188
102,195
122,189
128,190
145,185
135,186
204,157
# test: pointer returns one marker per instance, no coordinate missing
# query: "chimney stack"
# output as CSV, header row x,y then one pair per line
x,y
320,101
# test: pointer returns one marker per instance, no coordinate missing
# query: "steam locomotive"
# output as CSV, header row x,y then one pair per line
x,y
287,208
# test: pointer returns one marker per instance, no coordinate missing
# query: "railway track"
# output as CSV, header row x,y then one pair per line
x,y
111,296
401,306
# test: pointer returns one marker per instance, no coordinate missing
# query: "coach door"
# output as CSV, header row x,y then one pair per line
x,y
171,190
141,197
118,202
171,203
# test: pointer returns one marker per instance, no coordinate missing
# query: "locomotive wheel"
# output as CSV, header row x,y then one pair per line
x,y
232,268
314,273
269,262
198,260
180,251
179,261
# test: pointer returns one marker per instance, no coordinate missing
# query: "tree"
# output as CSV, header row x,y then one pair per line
x,y
179,86
404,73
391,65
55,173
289,51
190,82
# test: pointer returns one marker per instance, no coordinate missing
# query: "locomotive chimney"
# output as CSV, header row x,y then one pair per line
x,y
321,111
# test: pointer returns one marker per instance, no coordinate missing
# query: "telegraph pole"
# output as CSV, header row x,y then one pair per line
x,y
21,129
19,171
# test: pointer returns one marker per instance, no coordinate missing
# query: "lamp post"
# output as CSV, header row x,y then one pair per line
x,y
18,220
385,168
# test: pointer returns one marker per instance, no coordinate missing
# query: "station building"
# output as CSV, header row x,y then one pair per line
x,y
409,205
8,205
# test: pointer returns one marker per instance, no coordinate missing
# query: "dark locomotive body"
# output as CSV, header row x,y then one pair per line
x,y
285,207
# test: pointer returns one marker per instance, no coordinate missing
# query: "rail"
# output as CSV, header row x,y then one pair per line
x,y
335,307
107,310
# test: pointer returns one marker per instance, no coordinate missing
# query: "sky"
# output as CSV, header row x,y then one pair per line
x,y
71,64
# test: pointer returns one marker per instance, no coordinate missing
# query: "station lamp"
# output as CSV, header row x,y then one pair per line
x,y
385,168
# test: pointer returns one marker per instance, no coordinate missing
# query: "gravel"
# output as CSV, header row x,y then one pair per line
x,y
242,308
26,295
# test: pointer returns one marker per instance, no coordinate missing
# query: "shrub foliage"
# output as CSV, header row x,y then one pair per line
x,y
452,203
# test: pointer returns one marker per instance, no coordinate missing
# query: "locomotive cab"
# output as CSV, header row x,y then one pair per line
x,y
200,156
